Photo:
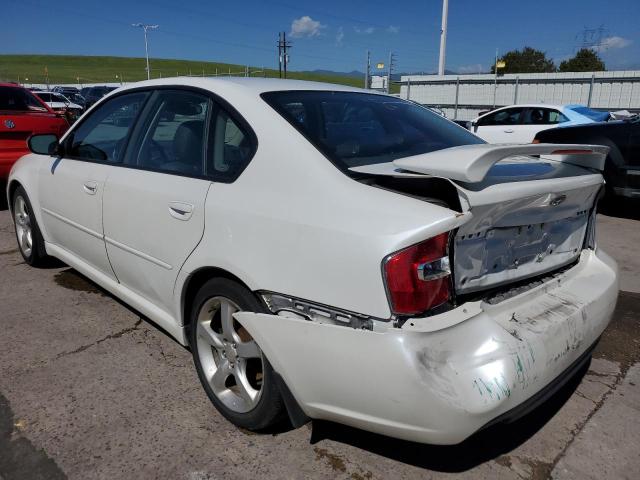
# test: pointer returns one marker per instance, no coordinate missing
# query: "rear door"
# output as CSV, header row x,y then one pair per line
x,y
154,209
71,188
501,126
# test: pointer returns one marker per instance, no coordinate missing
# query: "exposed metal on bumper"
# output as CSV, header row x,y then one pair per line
x,y
438,380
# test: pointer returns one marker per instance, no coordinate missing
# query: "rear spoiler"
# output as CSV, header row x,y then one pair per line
x,y
471,163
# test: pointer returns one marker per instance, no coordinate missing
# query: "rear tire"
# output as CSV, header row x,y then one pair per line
x,y
234,372
28,235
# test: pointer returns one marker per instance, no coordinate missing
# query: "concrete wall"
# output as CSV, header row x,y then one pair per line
x,y
475,93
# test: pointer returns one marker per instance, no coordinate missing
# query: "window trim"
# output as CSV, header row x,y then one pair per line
x,y
217,103
70,135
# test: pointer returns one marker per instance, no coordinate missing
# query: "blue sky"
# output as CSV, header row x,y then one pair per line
x,y
328,34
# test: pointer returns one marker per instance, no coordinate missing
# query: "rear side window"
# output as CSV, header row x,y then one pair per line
x,y
174,141
19,100
231,147
102,135
543,116
354,129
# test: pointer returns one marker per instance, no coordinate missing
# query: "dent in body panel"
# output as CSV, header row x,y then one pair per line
x,y
508,241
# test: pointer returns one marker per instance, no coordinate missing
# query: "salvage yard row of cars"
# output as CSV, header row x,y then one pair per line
x,y
329,252
24,112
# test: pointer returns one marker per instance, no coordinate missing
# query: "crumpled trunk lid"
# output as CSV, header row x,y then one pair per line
x,y
521,216
513,239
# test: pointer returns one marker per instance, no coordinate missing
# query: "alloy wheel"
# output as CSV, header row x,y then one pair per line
x,y
24,230
231,360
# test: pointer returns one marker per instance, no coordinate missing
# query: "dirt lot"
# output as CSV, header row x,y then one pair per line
x,y
88,389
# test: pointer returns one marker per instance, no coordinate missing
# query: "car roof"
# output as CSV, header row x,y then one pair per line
x,y
247,84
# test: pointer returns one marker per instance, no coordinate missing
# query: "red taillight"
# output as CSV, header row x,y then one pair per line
x,y
418,277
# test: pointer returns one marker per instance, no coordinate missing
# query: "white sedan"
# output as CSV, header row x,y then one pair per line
x,y
520,123
328,252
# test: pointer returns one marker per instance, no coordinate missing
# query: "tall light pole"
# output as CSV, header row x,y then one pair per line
x,y
443,36
146,44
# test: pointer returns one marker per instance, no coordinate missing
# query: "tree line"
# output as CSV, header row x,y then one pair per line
x,y
530,60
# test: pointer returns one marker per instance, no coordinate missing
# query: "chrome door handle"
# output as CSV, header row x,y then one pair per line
x,y
90,188
180,210
508,130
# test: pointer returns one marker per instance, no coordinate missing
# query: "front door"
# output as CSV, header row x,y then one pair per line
x,y
500,126
71,187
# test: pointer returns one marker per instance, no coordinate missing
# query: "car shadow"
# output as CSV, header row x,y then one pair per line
x,y
483,446
71,279
626,208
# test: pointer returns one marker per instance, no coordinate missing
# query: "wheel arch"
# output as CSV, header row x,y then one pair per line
x,y
196,280
11,189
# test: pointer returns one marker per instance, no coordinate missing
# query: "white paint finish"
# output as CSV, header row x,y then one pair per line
x,y
147,245
441,386
72,214
473,162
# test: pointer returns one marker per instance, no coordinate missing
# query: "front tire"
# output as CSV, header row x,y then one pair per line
x,y
30,241
234,372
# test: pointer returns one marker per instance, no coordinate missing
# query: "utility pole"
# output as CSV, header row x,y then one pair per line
x,y
283,56
146,43
279,54
443,36
367,70
391,58
495,79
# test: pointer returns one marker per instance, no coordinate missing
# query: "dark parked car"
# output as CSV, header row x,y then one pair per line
x,y
96,93
622,169
66,91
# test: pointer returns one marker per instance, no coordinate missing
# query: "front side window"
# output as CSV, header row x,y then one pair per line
x,y
510,116
102,135
354,129
19,100
174,141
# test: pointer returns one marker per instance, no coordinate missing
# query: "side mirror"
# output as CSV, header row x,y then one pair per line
x,y
46,144
475,126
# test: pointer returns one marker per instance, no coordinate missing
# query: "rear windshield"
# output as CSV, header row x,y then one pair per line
x,y
354,129
18,99
592,114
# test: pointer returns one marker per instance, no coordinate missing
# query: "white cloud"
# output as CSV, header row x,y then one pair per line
x,y
305,26
610,43
475,68
364,31
339,37
392,29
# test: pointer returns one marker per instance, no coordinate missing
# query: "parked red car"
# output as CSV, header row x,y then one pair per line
x,y
22,114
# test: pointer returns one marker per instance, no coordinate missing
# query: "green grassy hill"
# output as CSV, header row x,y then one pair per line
x,y
84,69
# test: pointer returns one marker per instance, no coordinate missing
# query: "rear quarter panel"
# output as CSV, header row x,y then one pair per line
x,y
292,223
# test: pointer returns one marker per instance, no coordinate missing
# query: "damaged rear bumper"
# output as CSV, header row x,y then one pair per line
x,y
440,379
